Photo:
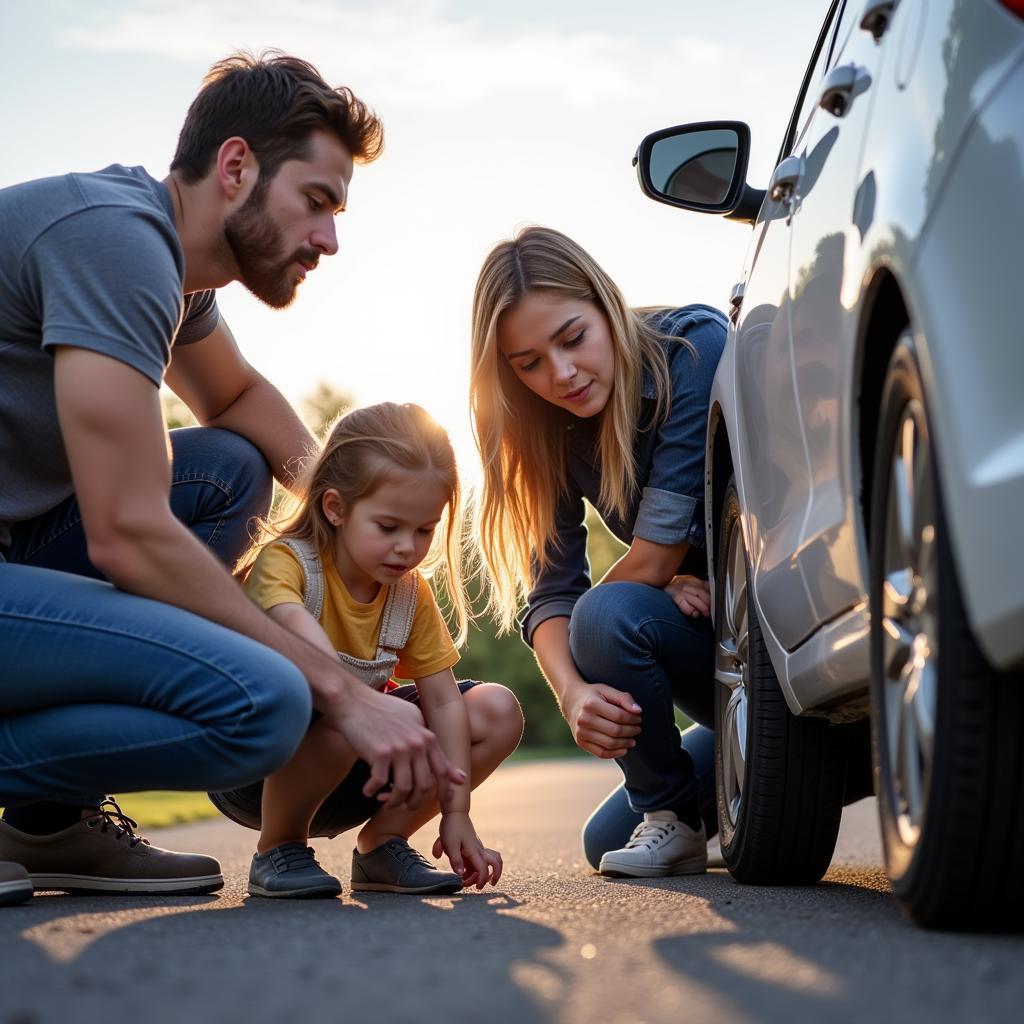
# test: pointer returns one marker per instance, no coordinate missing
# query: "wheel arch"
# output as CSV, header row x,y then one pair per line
x,y
720,469
886,315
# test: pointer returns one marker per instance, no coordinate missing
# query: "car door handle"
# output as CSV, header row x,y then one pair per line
x,y
736,300
842,86
877,17
786,178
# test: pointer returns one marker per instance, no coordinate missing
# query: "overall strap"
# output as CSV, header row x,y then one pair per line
x,y
312,574
399,609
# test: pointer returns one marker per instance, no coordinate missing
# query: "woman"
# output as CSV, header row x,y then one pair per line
x,y
576,396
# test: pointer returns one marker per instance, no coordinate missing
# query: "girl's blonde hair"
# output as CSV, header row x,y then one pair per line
x,y
521,437
362,449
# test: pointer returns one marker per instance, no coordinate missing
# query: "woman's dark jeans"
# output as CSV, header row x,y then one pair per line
x,y
633,637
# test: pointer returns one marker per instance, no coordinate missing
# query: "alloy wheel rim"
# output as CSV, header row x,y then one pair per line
x,y
731,671
909,619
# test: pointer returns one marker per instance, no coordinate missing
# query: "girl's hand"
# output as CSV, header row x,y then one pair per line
x,y
691,595
469,858
603,720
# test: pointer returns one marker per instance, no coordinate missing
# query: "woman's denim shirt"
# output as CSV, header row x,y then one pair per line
x,y
669,505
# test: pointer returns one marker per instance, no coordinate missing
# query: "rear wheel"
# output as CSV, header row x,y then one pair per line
x,y
778,778
948,730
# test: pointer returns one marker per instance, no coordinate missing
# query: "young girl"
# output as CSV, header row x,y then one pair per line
x,y
576,396
340,572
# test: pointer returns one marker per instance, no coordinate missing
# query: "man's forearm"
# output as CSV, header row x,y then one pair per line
x,y
262,415
167,563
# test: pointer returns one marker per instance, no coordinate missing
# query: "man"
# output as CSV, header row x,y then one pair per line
x,y
166,676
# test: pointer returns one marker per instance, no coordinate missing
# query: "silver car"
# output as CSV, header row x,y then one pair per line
x,y
865,457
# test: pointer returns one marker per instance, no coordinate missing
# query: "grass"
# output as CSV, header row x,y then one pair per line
x,y
158,808
161,808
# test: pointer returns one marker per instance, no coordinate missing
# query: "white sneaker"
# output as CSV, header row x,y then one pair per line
x,y
660,845
715,857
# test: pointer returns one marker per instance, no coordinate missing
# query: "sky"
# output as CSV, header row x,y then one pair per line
x,y
497,115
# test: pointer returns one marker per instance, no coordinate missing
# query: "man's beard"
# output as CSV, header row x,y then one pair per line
x,y
255,242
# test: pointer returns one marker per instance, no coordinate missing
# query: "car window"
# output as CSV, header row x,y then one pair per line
x,y
809,91
845,25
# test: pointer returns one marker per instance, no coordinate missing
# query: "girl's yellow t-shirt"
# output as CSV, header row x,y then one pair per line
x,y
353,626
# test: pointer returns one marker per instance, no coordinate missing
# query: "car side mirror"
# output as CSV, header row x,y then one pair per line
x,y
700,167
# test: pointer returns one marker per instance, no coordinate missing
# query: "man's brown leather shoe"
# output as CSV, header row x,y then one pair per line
x,y
15,885
102,854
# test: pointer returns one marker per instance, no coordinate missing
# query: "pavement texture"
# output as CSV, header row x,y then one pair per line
x,y
553,943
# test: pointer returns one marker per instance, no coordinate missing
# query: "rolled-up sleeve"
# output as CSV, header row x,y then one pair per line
x,y
566,577
671,508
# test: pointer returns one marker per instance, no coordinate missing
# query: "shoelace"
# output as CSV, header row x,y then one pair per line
x,y
648,834
407,855
110,816
293,856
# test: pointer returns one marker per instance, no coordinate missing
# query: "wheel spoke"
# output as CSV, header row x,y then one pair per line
x,y
728,668
898,640
924,710
741,742
902,497
911,759
739,595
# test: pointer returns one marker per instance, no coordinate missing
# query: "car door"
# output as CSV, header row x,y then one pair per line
x,y
824,240
775,471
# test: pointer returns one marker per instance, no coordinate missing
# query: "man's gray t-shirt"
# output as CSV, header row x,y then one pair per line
x,y
92,261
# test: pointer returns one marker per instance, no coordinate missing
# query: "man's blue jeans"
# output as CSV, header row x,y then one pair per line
x,y
634,638
102,691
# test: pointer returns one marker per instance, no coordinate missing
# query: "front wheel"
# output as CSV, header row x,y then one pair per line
x,y
778,778
948,730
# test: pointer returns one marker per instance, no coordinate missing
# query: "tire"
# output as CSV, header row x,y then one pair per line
x,y
778,817
947,729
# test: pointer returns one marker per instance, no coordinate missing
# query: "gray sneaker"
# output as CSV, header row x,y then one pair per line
x,y
102,854
396,867
15,885
290,872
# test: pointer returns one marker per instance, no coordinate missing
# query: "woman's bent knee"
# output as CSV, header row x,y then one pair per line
x,y
604,630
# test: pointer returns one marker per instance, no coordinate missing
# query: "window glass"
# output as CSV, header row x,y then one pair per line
x,y
812,80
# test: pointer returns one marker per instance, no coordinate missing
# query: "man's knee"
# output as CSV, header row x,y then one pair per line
x,y
268,734
230,457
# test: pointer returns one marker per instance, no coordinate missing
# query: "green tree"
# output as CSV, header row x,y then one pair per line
x,y
321,407
176,412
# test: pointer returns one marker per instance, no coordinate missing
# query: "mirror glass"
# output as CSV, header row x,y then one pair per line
x,y
697,167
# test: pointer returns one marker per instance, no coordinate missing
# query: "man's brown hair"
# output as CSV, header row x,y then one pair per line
x,y
274,102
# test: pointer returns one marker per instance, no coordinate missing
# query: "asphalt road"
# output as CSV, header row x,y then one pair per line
x,y
554,942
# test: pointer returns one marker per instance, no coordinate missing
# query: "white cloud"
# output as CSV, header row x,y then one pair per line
x,y
415,54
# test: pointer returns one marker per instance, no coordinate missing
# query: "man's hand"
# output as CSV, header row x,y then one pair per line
x,y
119,462
603,720
389,735
469,858
691,595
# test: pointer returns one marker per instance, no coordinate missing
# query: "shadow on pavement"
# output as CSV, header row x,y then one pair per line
x,y
386,958
826,952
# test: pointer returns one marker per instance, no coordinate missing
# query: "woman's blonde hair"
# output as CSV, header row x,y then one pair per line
x,y
362,450
521,437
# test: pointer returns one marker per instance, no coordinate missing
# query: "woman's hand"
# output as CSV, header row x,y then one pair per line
x,y
469,858
603,720
691,595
